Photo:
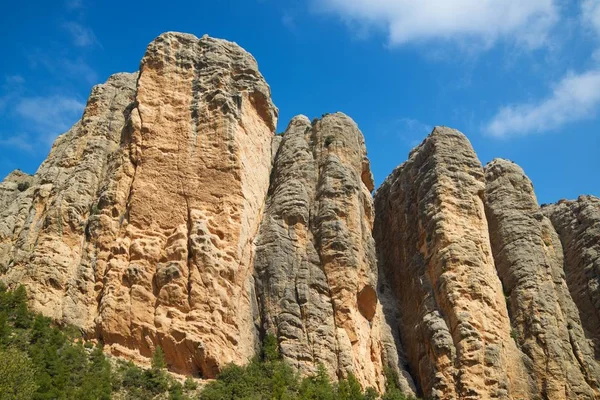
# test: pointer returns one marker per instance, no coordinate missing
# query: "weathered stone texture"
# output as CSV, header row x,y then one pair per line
x,y
170,215
43,227
433,246
315,262
174,241
529,260
578,225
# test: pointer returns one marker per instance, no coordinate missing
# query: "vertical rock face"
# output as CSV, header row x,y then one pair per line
x,y
140,225
315,262
43,222
170,216
433,246
173,244
578,225
529,260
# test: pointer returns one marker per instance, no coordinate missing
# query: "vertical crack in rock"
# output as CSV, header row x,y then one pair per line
x,y
315,257
529,259
433,246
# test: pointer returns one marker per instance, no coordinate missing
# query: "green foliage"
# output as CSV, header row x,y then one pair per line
x,y
392,390
329,140
41,361
158,359
190,384
23,186
17,375
269,378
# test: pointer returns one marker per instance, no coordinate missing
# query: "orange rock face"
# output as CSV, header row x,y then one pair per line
x,y
433,245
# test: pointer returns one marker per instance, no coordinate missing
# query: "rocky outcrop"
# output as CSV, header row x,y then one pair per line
x,y
140,225
578,225
529,259
315,261
170,215
44,218
173,242
434,249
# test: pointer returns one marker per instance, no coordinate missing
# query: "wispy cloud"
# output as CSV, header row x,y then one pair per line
x,y
76,69
19,141
81,36
590,14
74,4
39,121
53,114
480,22
575,97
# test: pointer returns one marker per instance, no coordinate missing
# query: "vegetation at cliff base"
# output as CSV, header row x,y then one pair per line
x,y
42,361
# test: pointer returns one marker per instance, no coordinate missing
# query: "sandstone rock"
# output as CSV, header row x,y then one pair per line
x,y
578,225
433,246
529,260
315,262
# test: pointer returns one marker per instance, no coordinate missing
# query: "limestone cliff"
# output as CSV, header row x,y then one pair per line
x,y
171,215
140,225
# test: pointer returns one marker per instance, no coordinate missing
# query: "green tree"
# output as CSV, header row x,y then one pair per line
x,y
17,379
158,359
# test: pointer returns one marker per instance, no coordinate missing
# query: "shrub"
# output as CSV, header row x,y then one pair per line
x,y
190,384
17,375
329,140
23,186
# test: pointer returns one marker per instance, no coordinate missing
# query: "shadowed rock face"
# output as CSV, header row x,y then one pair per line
x,y
170,215
578,225
315,261
529,260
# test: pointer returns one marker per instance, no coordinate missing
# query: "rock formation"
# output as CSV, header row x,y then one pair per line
x,y
315,261
171,215
433,246
578,225
529,260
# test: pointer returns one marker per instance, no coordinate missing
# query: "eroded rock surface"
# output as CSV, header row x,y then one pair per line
x,y
529,260
170,216
315,262
433,246
43,222
578,225
140,225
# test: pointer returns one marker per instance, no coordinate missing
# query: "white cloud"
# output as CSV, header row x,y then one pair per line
x,y
478,21
21,142
574,98
590,13
80,35
49,115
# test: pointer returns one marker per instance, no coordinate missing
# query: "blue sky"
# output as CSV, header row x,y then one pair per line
x,y
520,78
